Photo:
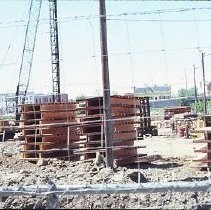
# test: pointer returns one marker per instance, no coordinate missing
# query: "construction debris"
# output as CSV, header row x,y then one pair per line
x,y
17,173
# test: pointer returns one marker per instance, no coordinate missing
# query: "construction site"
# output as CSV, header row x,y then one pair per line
x,y
108,151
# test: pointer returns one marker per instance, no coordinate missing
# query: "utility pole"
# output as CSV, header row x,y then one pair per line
x,y
186,81
54,50
195,88
106,86
205,99
134,89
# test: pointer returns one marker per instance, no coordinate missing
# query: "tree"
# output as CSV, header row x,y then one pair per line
x,y
209,107
80,97
186,92
198,107
191,92
182,92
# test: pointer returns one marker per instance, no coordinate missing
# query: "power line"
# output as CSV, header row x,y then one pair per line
x,y
11,42
85,17
118,19
162,20
120,54
120,0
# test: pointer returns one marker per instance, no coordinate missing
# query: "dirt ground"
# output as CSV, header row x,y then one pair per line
x,y
172,162
169,145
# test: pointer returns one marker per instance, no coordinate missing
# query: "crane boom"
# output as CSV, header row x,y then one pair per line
x,y
54,50
27,54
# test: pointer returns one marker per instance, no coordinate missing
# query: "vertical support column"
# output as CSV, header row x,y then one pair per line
x,y
106,86
195,88
54,50
205,99
141,131
148,115
208,138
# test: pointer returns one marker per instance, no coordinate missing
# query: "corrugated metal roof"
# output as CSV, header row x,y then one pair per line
x,y
153,89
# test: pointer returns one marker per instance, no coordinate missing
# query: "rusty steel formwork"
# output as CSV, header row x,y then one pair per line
x,y
204,157
145,120
49,131
124,109
6,130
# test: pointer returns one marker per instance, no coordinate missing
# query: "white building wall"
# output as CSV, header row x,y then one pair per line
x,y
8,103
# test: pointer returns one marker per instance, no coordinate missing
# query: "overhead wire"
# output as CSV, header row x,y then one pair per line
x,y
157,20
132,81
84,17
120,0
61,58
163,50
145,51
121,19
94,57
196,28
11,42
167,77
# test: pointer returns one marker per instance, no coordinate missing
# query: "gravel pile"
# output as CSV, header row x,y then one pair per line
x,y
15,172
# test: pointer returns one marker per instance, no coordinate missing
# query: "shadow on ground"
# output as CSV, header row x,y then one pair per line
x,y
162,165
204,207
191,179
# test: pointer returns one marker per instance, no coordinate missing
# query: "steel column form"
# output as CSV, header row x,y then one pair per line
x,y
123,110
54,50
44,141
27,54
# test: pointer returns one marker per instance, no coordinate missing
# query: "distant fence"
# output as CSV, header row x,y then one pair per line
x,y
51,188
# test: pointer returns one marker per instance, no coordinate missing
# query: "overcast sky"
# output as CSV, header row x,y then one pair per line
x,y
146,47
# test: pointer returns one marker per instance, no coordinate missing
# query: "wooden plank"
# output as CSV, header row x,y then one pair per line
x,y
202,130
203,160
73,157
202,141
46,151
99,141
99,149
202,150
60,124
36,143
37,135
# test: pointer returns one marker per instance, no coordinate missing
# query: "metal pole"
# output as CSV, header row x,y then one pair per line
x,y
55,60
156,187
205,100
106,86
194,77
186,81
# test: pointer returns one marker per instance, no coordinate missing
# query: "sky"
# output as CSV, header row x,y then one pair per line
x,y
149,42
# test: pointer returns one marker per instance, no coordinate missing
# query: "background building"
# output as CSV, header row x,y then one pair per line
x,y
8,103
155,92
209,88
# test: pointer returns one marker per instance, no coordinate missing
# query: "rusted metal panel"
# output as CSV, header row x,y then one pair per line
x,y
205,162
124,132
53,141
59,137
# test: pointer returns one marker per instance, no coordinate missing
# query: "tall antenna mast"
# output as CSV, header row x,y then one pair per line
x,y
54,50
